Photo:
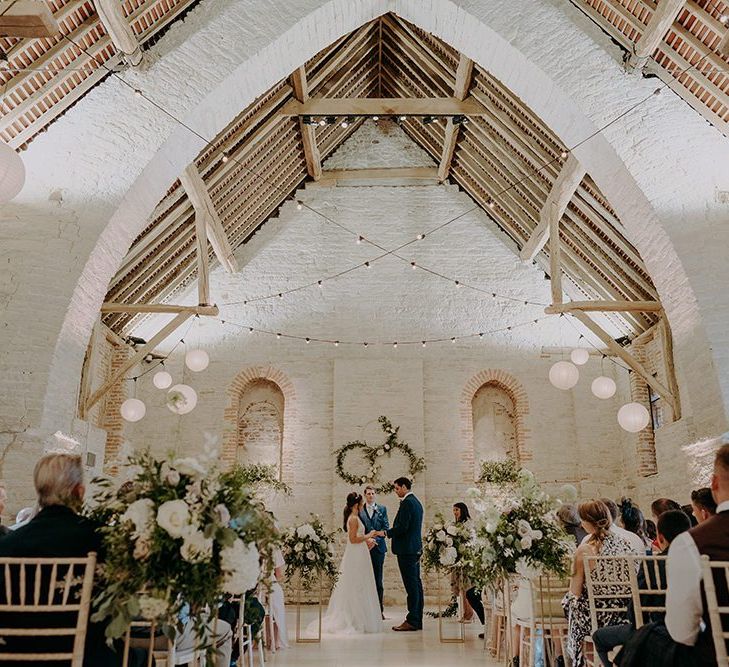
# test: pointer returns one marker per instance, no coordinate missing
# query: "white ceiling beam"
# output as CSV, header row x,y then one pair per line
x,y
116,25
200,199
384,106
27,18
308,132
460,90
564,187
659,24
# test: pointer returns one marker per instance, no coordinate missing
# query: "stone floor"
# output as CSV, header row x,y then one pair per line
x,y
401,649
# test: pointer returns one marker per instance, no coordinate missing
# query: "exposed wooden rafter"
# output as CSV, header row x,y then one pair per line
x,y
393,176
464,74
384,106
136,308
569,179
111,14
308,132
27,18
665,13
199,197
605,307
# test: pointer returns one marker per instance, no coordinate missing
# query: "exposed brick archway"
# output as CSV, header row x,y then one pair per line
x,y
230,416
516,392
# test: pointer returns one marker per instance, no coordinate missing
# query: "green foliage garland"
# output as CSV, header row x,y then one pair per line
x,y
258,475
501,473
371,454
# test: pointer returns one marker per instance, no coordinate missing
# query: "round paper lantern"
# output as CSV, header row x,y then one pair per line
x,y
197,360
580,356
564,375
633,417
132,410
162,380
181,399
12,173
603,387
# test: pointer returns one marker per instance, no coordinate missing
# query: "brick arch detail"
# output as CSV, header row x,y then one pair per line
x,y
230,416
516,392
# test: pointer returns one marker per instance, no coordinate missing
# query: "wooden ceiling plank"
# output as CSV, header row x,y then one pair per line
x,y
203,309
27,19
605,307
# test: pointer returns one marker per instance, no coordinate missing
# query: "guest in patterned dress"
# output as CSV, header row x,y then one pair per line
x,y
596,520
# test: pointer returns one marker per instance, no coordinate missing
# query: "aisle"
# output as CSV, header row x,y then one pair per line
x,y
395,649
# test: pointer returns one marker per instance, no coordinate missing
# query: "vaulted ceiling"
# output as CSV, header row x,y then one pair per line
x,y
259,160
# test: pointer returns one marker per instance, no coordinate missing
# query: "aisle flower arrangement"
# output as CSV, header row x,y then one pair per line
x,y
309,553
520,535
448,547
177,532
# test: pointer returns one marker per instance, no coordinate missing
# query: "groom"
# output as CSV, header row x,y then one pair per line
x,y
374,517
407,545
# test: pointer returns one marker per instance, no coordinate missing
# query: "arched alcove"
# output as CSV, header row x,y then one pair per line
x,y
260,425
494,424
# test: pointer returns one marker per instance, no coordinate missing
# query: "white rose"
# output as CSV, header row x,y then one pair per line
x,y
440,535
298,547
315,538
537,535
174,517
386,448
172,478
140,513
491,527
523,528
222,514
380,451
311,555
526,542
452,530
241,567
448,557
189,466
196,548
151,608
449,541
141,549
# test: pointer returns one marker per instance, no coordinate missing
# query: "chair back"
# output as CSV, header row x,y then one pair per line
x,y
650,597
54,593
147,635
716,576
547,593
608,583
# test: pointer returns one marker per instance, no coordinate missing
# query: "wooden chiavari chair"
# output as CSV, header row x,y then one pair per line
x,y
547,619
651,597
716,576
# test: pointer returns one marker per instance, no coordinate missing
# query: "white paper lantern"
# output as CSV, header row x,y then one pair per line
x,y
132,410
603,387
162,380
197,360
12,173
580,356
181,399
564,375
633,417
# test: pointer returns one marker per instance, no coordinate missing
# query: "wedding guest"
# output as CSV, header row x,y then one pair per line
x,y
688,510
686,614
4,530
703,505
23,517
570,520
652,533
472,602
276,602
634,522
601,541
662,505
374,517
637,546
670,525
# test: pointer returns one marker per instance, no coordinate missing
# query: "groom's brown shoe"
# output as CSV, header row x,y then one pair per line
x,y
404,627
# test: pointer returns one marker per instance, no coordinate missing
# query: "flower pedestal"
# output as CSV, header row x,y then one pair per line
x,y
460,637
300,602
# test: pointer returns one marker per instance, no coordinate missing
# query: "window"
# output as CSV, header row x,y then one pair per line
x,y
658,416
494,425
260,424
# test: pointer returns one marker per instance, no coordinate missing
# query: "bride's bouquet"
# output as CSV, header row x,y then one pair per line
x,y
309,552
448,547
176,532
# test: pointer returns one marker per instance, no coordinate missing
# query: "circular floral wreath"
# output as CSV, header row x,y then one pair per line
x,y
371,454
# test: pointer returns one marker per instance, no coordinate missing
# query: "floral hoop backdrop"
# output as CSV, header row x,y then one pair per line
x,y
371,455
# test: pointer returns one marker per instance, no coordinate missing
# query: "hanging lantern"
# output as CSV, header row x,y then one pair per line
x,y
197,360
633,417
580,356
132,410
181,399
12,173
162,380
564,375
604,387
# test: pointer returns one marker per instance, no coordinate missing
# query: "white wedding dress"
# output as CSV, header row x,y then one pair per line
x,y
354,607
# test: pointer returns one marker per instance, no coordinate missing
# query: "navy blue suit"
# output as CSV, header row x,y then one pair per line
x,y
407,545
379,521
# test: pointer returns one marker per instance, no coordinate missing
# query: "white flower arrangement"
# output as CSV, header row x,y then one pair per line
x,y
309,552
448,547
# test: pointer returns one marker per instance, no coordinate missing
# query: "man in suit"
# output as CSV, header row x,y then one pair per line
x,y
407,545
374,517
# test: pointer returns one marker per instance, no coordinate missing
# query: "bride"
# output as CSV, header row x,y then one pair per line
x,y
354,607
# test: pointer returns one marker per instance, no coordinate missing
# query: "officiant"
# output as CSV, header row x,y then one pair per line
x,y
374,517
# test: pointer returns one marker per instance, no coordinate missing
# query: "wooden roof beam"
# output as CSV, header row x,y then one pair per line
x,y
308,132
464,74
199,197
27,18
605,307
665,14
564,187
136,308
115,23
384,106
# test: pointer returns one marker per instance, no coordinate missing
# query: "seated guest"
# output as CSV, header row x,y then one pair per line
x,y
688,510
634,522
571,523
670,525
686,614
662,505
637,546
652,533
703,505
601,541
3,500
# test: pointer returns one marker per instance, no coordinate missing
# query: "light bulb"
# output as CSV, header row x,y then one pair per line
x,y
224,159
299,205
